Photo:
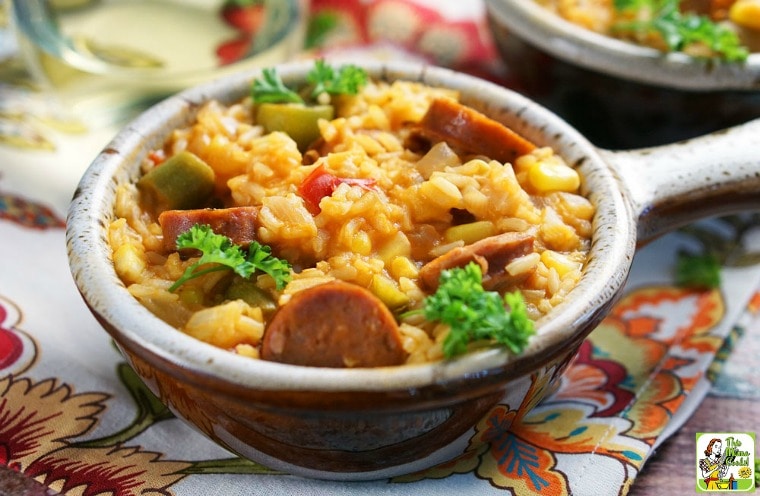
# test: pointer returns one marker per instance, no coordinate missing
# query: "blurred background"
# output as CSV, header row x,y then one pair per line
x,y
71,65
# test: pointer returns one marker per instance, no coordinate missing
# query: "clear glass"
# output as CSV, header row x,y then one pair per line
x,y
102,57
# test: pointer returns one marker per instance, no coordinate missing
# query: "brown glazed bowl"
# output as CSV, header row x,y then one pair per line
x,y
359,424
619,95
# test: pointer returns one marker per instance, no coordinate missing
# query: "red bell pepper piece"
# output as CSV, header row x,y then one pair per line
x,y
320,183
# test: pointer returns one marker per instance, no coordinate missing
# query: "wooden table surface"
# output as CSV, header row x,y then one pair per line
x,y
672,469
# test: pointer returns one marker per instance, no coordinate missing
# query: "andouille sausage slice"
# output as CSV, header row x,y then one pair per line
x,y
492,254
336,324
237,223
466,128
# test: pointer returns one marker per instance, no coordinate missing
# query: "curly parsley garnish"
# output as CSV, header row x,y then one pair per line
x,y
678,30
271,89
347,80
219,251
474,314
322,79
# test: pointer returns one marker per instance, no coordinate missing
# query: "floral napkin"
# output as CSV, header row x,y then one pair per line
x,y
74,417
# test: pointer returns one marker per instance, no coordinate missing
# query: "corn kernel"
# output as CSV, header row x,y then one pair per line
x,y
470,232
387,291
129,262
546,176
247,350
361,243
559,262
746,13
403,267
559,236
398,246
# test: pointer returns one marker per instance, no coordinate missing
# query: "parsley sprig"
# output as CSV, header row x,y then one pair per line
x,y
219,253
697,270
474,314
271,89
680,30
347,80
323,78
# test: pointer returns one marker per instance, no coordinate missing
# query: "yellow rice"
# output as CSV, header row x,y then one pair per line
x,y
361,234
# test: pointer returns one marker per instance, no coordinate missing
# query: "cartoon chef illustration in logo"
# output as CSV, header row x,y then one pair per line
x,y
713,465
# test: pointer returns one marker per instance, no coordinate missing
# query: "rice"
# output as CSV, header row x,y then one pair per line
x,y
377,236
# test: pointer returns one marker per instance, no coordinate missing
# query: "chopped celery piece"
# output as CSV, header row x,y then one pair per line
x,y
296,120
388,293
182,182
249,292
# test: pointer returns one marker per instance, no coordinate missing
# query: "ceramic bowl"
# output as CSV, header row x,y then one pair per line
x,y
359,424
618,94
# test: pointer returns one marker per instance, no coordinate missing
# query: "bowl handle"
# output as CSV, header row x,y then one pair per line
x,y
672,185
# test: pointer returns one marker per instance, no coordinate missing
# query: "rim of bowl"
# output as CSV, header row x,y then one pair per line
x,y
574,44
89,254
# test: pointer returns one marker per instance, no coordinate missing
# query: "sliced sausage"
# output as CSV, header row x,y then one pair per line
x,y
466,128
336,324
492,254
237,223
